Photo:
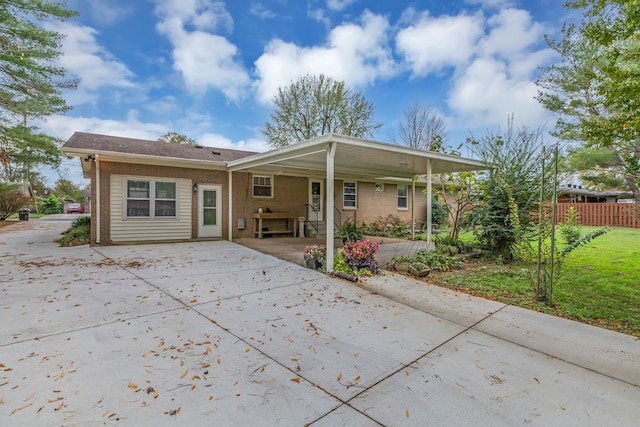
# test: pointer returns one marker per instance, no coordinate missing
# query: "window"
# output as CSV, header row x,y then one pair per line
x,y
262,186
142,195
403,197
349,195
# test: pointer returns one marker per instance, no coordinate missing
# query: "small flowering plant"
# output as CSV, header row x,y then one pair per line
x,y
315,252
360,255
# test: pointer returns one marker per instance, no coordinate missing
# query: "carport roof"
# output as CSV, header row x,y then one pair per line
x,y
354,157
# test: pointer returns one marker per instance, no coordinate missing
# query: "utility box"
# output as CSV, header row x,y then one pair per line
x,y
300,226
23,214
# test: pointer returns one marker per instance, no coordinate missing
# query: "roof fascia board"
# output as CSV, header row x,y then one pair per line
x,y
111,156
292,151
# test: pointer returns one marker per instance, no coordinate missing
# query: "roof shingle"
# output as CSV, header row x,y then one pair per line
x,y
116,144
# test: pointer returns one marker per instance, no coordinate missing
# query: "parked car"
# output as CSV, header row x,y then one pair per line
x,y
74,207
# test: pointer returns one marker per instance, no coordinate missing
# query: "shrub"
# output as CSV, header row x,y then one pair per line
x,y
435,260
11,200
349,231
77,235
448,245
389,226
50,205
570,229
81,220
359,256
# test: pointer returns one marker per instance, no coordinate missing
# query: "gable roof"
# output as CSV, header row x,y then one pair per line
x,y
140,151
116,144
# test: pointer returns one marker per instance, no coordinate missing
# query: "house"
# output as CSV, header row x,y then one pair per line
x,y
572,193
145,191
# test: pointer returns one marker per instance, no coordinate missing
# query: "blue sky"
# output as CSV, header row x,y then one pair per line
x,y
208,68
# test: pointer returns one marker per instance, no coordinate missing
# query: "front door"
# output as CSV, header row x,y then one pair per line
x,y
209,211
316,200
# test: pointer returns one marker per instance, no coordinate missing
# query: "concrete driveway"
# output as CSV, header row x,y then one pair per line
x,y
213,333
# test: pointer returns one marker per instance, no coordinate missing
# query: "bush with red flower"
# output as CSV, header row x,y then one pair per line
x,y
359,257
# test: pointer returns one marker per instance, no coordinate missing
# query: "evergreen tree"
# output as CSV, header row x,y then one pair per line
x,y
31,84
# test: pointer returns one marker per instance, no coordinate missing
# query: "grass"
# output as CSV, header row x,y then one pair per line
x,y
599,285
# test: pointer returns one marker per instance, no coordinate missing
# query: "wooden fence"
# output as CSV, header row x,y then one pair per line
x,y
601,214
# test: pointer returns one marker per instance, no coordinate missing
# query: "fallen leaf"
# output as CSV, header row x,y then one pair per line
x,y
340,377
537,380
21,408
132,386
357,378
296,380
207,351
184,374
407,413
59,406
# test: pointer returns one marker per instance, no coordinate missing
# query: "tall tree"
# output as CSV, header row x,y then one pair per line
x,y
317,105
594,88
31,83
176,138
421,127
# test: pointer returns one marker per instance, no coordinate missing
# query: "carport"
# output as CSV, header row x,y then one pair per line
x,y
333,156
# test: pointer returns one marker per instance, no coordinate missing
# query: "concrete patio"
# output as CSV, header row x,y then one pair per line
x,y
214,333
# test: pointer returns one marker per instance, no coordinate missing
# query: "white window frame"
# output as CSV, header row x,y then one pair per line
x,y
152,199
354,194
405,197
254,185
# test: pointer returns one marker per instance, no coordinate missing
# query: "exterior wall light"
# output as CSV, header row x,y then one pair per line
x,y
195,187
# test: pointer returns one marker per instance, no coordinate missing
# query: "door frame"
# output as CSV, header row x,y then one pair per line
x,y
209,231
322,197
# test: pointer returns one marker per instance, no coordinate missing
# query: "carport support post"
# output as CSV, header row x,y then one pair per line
x,y
429,203
331,154
230,206
413,209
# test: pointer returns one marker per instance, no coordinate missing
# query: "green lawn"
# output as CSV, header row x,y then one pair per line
x,y
600,282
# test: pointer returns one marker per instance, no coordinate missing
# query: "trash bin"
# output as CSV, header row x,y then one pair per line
x,y
23,214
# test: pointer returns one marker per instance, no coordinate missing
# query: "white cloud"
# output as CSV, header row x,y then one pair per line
x,y
201,14
64,126
166,105
485,94
355,53
492,4
205,60
219,141
107,13
512,33
338,5
83,57
431,44
490,63
257,9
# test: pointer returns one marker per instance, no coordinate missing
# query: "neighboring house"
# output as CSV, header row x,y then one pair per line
x,y
143,191
572,193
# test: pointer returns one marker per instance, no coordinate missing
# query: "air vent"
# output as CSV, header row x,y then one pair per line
x,y
198,146
217,153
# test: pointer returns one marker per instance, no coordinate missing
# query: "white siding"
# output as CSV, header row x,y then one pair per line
x,y
142,230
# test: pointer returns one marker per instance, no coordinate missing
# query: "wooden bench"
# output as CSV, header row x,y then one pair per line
x,y
260,218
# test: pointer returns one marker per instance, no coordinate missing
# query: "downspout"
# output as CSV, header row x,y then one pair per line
x,y
429,203
230,206
331,153
97,210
